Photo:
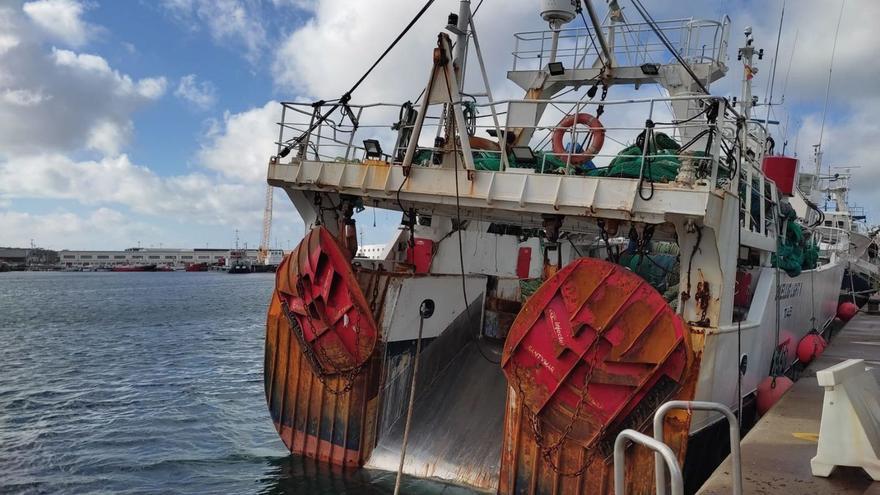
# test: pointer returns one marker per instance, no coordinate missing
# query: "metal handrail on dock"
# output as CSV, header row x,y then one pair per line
x,y
735,455
657,446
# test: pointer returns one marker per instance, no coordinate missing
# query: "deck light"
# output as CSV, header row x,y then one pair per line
x,y
556,68
650,69
374,149
524,154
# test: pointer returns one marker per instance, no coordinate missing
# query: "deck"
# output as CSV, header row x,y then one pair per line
x,y
776,453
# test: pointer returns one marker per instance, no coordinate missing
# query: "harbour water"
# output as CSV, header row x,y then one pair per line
x,y
147,383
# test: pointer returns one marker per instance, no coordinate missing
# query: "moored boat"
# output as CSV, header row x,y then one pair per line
x,y
134,268
573,291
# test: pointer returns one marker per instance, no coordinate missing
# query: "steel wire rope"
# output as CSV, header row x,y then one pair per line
x,y
455,152
654,27
343,100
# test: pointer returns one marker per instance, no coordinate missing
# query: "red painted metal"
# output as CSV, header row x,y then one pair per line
x,y
810,347
782,170
742,296
523,262
312,418
422,254
846,311
318,285
598,339
770,390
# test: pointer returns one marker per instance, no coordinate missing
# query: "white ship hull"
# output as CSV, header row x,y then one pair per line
x,y
806,302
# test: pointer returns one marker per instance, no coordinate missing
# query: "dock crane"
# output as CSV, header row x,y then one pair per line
x,y
263,253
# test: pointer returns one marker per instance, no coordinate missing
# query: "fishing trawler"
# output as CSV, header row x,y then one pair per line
x,y
844,232
566,262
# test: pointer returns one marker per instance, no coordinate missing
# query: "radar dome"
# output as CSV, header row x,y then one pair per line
x,y
559,11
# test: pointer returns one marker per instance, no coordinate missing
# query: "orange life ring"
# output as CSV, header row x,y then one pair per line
x,y
596,129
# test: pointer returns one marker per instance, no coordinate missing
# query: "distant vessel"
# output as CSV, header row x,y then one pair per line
x,y
197,267
134,268
238,262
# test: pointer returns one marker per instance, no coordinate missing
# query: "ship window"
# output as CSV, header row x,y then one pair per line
x,y
138,257
154,257
840,224
103,257
119,257
186,257
69,256
171,257
85,256
828,223
204,257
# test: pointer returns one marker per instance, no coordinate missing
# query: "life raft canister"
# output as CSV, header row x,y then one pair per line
x,y
597,130
327,310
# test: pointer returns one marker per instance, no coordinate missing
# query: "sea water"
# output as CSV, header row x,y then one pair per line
x,y
147,383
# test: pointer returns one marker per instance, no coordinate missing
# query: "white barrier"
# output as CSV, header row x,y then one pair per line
x,y
849,434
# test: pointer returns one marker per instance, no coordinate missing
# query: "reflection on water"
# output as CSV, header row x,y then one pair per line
x,y
147,383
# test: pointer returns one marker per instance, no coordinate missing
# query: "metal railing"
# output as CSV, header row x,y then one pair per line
x,y
657,446
631,43
339,139
735,455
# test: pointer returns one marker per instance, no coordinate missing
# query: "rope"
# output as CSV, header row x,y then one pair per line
x,y
653,25
409,410
344,99
467,306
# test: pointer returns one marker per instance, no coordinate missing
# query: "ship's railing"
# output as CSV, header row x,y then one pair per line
x,y
631,43
834,238
713,162
338,139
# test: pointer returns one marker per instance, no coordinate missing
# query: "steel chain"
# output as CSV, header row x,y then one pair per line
x,y
535,421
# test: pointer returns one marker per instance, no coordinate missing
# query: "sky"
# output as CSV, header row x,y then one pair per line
x,y
136,122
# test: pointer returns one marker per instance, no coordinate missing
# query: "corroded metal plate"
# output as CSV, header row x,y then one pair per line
x,y
329,313
592,343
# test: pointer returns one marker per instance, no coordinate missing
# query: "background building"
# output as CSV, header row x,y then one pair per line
x,y
147,256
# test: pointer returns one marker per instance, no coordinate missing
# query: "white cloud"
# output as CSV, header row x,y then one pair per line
x,y
240,146
55,99
117,181
63,229
24,97
108,136
227,21
62,19
202,95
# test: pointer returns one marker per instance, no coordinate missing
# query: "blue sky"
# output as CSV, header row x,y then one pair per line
x,y
151,121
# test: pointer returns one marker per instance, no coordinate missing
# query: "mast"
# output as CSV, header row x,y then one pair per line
x,y
773,70
818,147
461,40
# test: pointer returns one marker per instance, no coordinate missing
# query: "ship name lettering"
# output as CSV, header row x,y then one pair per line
x,y
544,362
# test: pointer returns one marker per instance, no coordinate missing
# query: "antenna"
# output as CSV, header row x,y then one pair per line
x,y
773,70
830,69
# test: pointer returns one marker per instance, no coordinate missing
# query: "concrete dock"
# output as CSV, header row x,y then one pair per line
x,y
776,453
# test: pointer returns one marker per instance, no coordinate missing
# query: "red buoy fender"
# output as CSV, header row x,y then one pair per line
x,y
596,129
846,311
810,347
770,390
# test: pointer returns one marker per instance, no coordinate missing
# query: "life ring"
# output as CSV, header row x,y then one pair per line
x,y
596,129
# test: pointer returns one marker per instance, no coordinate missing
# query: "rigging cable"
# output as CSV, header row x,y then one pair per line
x,y
458,225
830,68
344,99
654,27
